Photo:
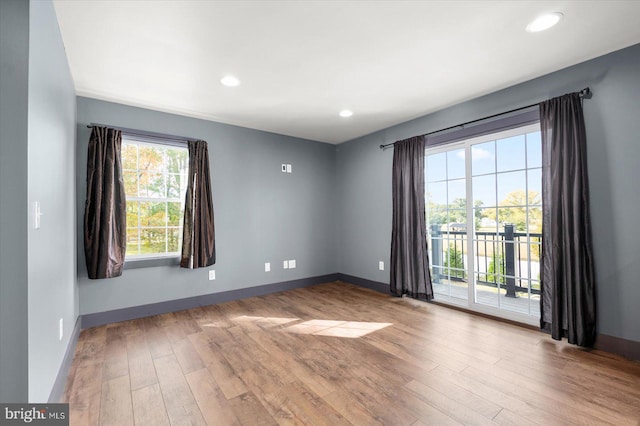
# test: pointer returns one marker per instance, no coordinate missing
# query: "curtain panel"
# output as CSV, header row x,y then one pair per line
x,y
105,217
568,306
409,259
198,234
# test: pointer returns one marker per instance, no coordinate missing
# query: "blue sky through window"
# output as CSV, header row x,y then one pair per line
x,y
497,166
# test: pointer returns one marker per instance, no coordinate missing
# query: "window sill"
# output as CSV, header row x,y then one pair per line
x,y
150,262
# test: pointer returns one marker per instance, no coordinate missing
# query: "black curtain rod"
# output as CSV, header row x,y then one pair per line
x,y
144,134
584,93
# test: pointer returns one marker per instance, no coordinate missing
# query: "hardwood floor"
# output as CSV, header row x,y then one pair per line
x,y
339,354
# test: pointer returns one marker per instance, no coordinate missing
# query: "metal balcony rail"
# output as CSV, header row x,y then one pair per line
x,y
500,257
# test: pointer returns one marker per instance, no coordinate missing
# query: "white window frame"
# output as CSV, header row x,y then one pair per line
x,y
136,140
470,303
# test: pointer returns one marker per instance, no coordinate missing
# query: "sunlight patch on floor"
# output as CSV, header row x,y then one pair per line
x,y
216,324
264,322
349,329
317,327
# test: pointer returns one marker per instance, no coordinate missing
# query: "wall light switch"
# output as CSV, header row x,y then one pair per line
x,y
292,264
36,214
60,329
381,265
212,274
267,267
284,168
285,264
288,168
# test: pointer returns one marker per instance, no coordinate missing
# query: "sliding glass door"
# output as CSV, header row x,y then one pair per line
x,y
484,220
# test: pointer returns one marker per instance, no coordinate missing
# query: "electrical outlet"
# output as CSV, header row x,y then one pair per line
x,y
284,168
285,264
381,265
292,264
267,267
60,330
212,274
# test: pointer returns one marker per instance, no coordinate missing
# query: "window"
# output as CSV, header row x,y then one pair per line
x,y
484,219
155,181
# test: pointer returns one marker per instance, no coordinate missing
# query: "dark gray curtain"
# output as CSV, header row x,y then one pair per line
x,y
105,227
568,305
198,235
409,259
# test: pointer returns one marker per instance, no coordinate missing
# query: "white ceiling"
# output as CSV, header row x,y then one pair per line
x,y
301,62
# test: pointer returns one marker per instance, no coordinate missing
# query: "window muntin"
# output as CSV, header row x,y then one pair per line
x,y
487,182
155,180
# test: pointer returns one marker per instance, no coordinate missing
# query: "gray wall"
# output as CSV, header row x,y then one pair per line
x,y
613,126
51,155
261,214
14,63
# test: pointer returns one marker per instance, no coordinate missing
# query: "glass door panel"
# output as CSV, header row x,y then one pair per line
x,y
446,214
484,220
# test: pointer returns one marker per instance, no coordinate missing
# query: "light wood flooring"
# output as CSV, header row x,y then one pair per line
x,y
336,354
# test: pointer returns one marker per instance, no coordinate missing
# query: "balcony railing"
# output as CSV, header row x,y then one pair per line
x,y
500,257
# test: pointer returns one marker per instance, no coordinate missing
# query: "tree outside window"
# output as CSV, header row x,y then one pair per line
x,y
155,178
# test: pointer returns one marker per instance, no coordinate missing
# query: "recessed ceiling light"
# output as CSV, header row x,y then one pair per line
x,y
230,81
346,113
544,22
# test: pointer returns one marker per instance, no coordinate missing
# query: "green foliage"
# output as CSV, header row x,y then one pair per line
x,y
513,210
159,173
455,211
535,248
496,266
453,259
478,212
